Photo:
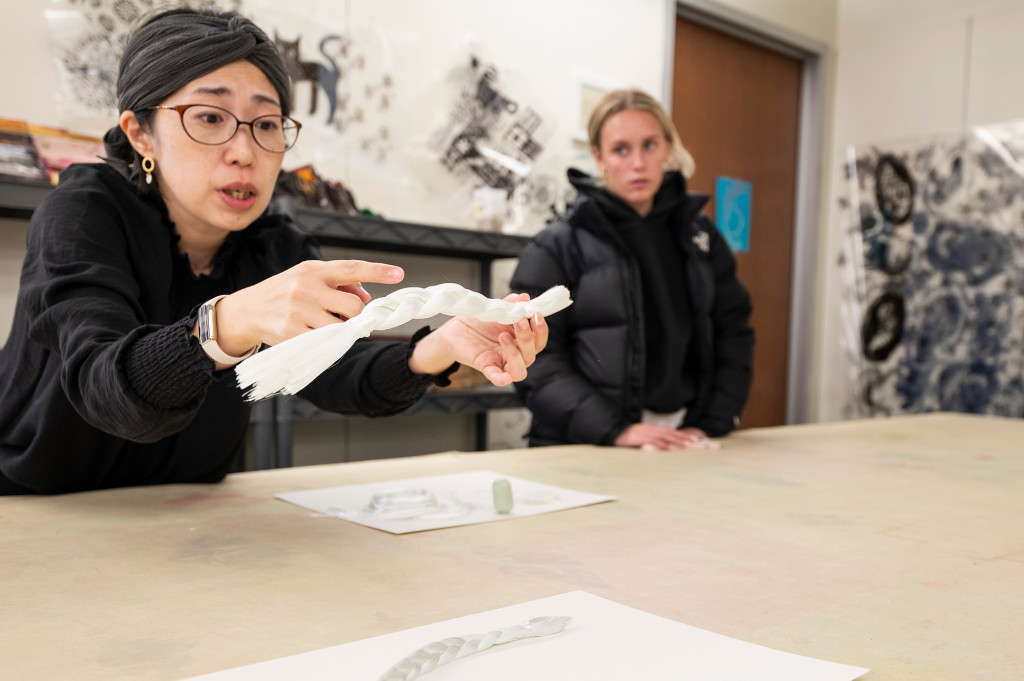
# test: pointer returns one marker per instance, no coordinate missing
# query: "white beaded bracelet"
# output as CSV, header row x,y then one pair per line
x,y
290,366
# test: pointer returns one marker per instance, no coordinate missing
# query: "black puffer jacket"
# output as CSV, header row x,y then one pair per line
x,y
588,384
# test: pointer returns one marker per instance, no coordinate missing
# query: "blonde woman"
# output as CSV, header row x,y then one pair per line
x,y
656,351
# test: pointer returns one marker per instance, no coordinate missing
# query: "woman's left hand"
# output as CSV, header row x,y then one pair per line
x,y
501,352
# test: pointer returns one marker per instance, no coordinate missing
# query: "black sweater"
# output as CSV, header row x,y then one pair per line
x,y
101,383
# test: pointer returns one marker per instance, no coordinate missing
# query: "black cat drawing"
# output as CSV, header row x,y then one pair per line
x,y
314,72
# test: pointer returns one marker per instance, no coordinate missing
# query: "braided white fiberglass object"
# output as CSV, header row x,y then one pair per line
x,y
290,366
435,654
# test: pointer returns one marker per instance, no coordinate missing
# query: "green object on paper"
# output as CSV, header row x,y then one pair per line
x,y
502,490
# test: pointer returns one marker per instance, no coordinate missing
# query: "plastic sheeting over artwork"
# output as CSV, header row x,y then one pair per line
x,y
933,268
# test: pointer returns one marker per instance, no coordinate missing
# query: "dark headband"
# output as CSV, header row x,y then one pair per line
x,y
175,48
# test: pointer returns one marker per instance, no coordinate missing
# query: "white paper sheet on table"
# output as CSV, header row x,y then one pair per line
x,y
463,499
605,641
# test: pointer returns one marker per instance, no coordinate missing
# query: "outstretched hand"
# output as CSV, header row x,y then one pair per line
x,y
501,352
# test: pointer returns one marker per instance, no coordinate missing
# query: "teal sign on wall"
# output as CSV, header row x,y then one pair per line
x,y
732,212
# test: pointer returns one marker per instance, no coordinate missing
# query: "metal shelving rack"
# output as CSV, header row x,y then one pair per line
x,y
373,233
272,418
19,198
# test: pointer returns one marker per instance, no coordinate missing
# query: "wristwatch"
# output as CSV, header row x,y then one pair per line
x,y
208,335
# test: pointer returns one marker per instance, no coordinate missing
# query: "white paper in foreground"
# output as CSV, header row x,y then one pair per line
x,y
433,502
605,641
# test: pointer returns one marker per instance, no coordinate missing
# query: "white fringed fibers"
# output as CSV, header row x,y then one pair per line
x,y
435,654
290,366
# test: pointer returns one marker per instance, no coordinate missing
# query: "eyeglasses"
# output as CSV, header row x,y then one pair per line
x,y
213,125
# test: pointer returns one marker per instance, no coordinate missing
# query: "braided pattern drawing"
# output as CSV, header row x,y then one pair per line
x,y
290,366
441,652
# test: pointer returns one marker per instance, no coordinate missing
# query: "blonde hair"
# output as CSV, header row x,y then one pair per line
x,y
617,101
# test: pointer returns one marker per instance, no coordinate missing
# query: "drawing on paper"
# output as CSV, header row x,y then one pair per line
x,y
491,139
321,76
87,38
434,502
342,87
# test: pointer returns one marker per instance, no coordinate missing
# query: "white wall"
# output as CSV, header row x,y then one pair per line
x,y
540,49
909,70
803,19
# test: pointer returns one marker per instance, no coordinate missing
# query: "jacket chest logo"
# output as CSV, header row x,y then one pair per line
x,y
702,240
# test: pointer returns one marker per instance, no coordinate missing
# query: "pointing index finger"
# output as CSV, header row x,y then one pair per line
x,y
346,272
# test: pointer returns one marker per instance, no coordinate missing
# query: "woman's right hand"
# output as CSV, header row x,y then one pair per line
x,y
307,296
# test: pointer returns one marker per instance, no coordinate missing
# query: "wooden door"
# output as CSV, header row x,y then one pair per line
x,y
737,108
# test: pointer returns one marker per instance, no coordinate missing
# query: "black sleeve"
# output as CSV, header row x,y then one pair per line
x,y
373,379
733,340
133,380
557,394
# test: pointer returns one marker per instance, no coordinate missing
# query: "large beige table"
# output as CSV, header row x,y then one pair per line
x,y
894,544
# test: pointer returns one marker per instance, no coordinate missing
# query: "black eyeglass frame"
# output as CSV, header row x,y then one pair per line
x,y
182,108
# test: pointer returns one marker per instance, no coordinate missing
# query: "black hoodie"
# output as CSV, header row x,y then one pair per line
x,y
668,323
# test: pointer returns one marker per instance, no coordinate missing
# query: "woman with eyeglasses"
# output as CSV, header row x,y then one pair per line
x,y
149,276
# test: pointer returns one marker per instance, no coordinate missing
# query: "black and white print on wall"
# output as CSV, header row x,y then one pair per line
x,y
342,87
933,265
492,138
87,38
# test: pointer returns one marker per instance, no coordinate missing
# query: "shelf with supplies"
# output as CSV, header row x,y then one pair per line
x,y
19,198
374,233
272,418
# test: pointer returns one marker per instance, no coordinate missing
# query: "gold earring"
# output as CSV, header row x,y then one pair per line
x,y
148,165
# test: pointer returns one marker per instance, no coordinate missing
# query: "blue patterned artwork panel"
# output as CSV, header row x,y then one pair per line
x,y
934,268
